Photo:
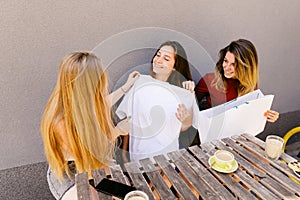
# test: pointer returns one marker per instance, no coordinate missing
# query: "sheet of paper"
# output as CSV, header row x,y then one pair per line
x,y
242,115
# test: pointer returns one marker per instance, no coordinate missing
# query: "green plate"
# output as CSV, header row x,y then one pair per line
x,y
234,166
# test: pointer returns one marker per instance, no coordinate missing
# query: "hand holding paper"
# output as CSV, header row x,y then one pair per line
x,y
271,115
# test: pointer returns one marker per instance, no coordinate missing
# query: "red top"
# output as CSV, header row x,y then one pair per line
x,y
213,96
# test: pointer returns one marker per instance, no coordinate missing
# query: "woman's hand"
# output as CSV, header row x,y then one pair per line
x,y
271,115
116,95
189,85
184,116
133,76
123,127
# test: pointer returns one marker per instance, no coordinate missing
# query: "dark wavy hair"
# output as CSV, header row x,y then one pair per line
x,y
182,68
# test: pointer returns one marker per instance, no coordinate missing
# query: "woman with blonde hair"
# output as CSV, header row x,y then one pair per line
x,y
76,127
236,74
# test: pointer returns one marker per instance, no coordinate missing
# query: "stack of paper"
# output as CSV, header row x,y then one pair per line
x,y
242,115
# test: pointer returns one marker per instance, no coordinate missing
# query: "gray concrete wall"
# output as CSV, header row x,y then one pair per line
x,y
35,35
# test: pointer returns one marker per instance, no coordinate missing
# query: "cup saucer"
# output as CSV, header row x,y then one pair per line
x,y
212,164
294,165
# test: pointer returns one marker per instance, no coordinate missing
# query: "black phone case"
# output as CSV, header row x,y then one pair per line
x,y
114,188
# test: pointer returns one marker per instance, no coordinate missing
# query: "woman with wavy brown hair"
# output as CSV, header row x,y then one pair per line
x,y
236,74
76,127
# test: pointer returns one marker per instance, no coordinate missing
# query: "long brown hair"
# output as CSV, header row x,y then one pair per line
x,y
246,66
182,68
79,99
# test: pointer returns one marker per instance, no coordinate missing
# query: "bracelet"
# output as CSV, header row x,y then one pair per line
x,y
124,91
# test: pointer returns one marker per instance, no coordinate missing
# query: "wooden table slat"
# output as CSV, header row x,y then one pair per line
x,y
277,163
83,186
253,171
98,175
255,140
277,175
236,188
156,179
117,174
203,172
281,166
138,179
257,188
241,161
186,174
277,188
261,143
205,191
180,186
208,148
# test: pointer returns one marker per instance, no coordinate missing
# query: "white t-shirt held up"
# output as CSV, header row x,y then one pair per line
x,y
153,106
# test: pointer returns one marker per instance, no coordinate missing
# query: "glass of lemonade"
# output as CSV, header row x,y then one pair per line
x,y
273,146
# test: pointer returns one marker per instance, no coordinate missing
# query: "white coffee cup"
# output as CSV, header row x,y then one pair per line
x,y
223,158
136,195
273,146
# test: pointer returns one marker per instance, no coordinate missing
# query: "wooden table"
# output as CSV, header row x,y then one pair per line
x,y
257,177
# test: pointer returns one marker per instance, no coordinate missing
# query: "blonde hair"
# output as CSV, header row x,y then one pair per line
x,y
246,67
79,100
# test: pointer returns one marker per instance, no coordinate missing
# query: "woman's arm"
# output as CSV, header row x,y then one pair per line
x,y
113,97
122,128
125,148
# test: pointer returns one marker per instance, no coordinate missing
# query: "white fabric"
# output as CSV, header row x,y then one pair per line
x,y
153,105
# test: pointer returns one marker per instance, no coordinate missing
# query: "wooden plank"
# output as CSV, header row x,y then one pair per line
x,y
247,180
208,148
277,188
250,169
98,175
254,139
235,187
117,174
156,179
287,158
275,174
205,174
257,188
242,162
277,163
83,186
179,185
205,191
138,179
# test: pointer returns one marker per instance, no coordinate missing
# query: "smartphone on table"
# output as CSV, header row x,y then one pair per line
x,y
114,188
